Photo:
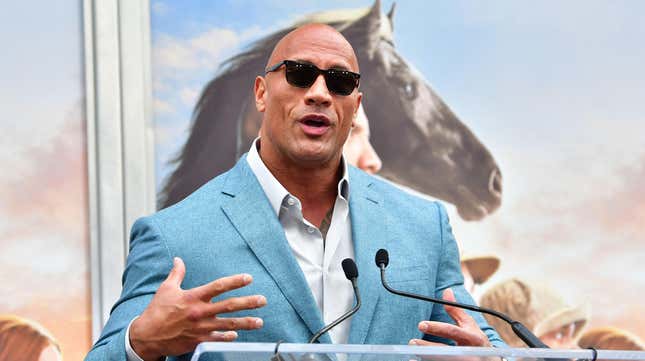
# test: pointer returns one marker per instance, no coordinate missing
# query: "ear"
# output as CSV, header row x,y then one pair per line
x,y
365,32
260,92
390,15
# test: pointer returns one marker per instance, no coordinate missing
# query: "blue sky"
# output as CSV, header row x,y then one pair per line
x,y
553,89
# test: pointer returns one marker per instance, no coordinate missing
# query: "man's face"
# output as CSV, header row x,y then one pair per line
x,y
307,126
358,150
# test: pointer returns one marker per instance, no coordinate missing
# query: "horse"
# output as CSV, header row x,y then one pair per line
x,y
422,143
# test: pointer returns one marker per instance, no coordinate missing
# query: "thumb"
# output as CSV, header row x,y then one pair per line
x,y
177,273
458,314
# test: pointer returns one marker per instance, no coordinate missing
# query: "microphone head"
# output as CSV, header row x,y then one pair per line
x,y
382,258
350,269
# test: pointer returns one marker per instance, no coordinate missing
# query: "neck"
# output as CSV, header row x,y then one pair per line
x,y
315,184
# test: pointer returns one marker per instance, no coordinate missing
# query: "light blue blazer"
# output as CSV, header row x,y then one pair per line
x,y
228,227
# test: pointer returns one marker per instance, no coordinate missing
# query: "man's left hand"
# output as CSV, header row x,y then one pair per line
x,y
465,333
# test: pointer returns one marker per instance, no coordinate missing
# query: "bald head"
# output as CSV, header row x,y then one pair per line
x,y
314,36
305,127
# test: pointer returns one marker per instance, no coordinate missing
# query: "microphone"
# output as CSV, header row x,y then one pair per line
x,y
351,272
382,260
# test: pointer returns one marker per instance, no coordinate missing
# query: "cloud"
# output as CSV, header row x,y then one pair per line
x,y
161,107
189,96
622,208
574,220
44,233
205,50
47,185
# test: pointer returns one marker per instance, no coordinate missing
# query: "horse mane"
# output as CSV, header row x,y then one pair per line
x,y
214,114
206,153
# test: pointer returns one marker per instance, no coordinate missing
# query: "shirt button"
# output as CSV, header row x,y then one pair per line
x,y
291,201
310,229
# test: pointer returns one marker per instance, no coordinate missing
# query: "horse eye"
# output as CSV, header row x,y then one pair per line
x,y
410,90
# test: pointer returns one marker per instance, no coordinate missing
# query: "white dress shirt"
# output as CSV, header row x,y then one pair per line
x,y
320,259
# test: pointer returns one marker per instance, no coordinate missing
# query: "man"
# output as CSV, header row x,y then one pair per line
x,y
358,150
283,219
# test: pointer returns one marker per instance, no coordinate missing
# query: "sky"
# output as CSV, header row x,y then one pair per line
x,y
553,89
44,241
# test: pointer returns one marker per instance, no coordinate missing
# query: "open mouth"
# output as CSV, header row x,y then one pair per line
x,y
315,120
315,124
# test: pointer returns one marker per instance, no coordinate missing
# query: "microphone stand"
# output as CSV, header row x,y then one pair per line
x,y
518,328
351,272
342,318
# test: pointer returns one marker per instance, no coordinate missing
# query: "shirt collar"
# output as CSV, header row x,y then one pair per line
x,y
275,191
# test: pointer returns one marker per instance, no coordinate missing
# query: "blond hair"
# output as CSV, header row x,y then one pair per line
x,y
22,339
610,338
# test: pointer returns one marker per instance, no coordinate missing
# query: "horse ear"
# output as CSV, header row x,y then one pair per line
x,y
365,32
390,15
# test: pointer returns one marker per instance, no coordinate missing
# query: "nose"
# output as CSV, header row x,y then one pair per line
x,y
495,183
370,161
318,94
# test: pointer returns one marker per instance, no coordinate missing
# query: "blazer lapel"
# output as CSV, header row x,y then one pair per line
x,y
369,233
251,214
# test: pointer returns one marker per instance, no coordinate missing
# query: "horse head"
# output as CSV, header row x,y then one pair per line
x,y
422,143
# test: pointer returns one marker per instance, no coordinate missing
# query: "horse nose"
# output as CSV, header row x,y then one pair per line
x,y
495,183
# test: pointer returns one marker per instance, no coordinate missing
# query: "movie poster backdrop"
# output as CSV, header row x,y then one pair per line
x,y
525,118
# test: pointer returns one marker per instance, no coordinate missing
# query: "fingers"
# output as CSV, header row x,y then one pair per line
x,y
235,304
458,334
221,285
176,275
218,336
466,332
229,324
458,314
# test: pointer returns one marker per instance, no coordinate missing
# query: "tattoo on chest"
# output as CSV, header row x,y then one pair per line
x,y
326,222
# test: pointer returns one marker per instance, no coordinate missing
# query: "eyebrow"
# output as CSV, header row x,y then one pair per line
x,y
335,66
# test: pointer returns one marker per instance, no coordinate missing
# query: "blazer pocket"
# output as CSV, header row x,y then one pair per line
x,y
407,274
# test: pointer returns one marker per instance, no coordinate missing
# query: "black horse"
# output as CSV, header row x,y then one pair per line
x,y
422,143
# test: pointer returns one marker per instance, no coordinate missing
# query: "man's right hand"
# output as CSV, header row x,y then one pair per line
x,y
177,320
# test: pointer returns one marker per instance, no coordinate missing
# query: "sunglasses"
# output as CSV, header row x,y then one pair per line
x,y
302,75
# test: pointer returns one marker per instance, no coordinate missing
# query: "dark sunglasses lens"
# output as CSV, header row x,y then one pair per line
x,y
301,75
340,83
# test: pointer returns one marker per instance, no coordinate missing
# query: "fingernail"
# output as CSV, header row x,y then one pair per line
x,y
413,342
231,335
423,326
261,301
259,322
247,278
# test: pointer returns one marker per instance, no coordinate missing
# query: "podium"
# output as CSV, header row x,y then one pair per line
x,y
236,351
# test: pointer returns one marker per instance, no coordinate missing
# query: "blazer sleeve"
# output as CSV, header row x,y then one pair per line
x,y
449,276
147,266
